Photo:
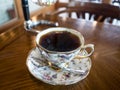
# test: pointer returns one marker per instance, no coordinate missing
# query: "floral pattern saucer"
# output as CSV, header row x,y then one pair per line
x,y
41,70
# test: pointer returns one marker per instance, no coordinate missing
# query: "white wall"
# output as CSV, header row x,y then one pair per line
x,y
32,6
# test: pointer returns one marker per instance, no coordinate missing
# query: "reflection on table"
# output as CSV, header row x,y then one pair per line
x,y
105,71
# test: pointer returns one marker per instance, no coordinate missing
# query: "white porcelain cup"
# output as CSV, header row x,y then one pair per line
x,y
61,59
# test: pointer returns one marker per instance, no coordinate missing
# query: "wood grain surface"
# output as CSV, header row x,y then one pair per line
x,y
105,71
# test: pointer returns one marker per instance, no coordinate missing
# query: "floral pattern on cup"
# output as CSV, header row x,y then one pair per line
x,y
39,69
58,58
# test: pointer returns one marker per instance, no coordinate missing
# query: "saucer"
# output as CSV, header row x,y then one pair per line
x,y
38,67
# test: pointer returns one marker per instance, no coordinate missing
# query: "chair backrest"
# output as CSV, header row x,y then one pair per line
x,y
96,11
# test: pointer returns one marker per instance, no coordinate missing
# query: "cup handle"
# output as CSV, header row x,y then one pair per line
x,y
91,46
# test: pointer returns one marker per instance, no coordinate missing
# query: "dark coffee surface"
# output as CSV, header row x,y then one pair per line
x,y
60,41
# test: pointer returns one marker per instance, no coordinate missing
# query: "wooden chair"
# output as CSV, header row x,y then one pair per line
x,y
96,11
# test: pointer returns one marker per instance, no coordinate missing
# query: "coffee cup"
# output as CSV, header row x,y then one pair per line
x,y
60,45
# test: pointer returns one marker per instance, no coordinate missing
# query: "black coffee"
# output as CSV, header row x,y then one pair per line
x,y
60,41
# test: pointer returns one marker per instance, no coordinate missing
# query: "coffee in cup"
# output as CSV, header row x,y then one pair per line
x,y
63,41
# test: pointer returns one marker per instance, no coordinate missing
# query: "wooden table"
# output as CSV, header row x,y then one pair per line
x,y
105,71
